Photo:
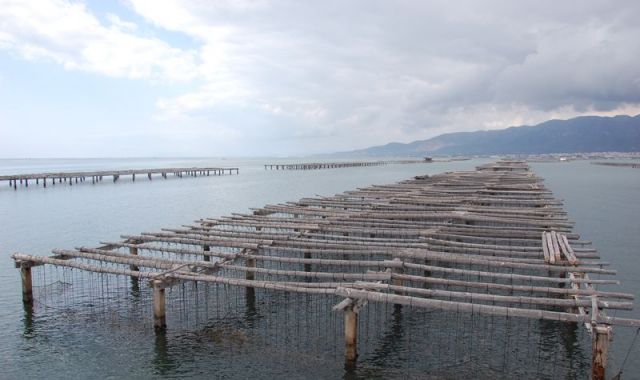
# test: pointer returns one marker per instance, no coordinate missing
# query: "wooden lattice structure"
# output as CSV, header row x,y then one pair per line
x,y
491,241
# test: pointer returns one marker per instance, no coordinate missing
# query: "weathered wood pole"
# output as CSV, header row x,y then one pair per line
x,y
27,284
600,351
398,282
133,251
350,334
133,177
307,267
159,306
250,263
206,248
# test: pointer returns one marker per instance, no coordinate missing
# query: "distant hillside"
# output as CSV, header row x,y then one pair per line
x,y
581,134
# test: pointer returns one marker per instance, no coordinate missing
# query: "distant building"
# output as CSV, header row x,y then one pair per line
x,y
428,159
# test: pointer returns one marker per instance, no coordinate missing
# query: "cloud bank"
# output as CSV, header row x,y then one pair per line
x,y
291,77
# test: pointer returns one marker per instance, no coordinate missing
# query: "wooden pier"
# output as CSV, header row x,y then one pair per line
x,y
635,165
339,165
97,176
493,241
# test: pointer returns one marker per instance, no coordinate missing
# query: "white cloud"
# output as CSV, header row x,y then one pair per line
x,y
67,33
120,23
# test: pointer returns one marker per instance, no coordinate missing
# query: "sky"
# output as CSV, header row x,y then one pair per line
x,y
196,78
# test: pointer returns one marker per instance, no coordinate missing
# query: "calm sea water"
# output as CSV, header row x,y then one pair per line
x,y
88,326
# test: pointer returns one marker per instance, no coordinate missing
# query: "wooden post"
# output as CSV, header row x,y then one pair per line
x,y
250,293
206,248
159,306
133,251
307,267
398,282
27,284
250,263
350,334
601,336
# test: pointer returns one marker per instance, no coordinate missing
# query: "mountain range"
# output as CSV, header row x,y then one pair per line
x,y
578,135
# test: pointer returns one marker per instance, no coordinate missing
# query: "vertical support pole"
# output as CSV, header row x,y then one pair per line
x,y
206,248
250,263
398,282
159,306
601,336
133,251
307,267
27,284
350,334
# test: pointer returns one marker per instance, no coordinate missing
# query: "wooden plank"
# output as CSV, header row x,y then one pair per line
x,y
545,248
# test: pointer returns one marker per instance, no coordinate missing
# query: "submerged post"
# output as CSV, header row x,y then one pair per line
x,y
600,351
350,334
159,306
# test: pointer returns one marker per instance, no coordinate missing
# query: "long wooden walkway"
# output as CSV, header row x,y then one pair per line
x,y
492,241
97,176
635,165
338,165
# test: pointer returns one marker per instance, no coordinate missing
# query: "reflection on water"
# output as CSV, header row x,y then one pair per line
x,y
235,332
162,361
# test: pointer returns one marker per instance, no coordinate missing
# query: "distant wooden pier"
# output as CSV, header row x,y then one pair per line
x,y
337,165
493,241
98,176
635,165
